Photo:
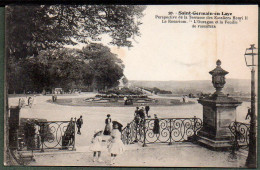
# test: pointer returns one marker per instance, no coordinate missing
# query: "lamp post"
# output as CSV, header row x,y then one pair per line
x,y
251,55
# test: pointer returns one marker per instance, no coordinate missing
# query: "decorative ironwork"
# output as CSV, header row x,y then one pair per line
x,y
240,134
132,133
171,130
49,135
163,130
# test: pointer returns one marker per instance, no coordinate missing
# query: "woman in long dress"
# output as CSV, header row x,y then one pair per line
x,y
108,126
156,126
116,145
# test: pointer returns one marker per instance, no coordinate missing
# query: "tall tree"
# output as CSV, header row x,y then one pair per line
x,y
92,67
59,68
35,28
106,66
31,29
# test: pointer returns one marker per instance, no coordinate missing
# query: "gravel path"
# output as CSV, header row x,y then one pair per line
x,y
176,155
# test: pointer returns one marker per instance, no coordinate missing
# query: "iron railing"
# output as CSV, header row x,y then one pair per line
x,y
132,133
49,135
239,134
168,130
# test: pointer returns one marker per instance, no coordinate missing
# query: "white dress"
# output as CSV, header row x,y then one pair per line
x,y
116,146
96,144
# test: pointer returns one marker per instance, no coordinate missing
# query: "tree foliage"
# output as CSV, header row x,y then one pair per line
x,y
32,29
108,69
35,28
92,67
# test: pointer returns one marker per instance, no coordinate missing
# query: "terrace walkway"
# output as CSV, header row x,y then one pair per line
x,y
176,155
185,154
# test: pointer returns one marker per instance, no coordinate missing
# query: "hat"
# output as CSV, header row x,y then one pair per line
x,y
97,131
117,121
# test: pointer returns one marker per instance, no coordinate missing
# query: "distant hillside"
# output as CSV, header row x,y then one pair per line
x,y
194,86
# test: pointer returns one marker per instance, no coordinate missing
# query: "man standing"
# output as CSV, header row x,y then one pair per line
x,y
79,123
147,108
125,99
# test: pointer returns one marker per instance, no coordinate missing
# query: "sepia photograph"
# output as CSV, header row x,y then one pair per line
x,y
131,85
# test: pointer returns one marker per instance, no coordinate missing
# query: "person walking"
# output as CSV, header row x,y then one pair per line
x,y
108,126
116,145
96,145
147,108
30,99
79,124
21,102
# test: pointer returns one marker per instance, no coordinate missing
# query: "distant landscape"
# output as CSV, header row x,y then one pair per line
x,y
232,86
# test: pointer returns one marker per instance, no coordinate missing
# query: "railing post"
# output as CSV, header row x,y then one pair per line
x,y
42,135
236,134
74,134
194,129
136,131
235,147
170,143
144,120
127,133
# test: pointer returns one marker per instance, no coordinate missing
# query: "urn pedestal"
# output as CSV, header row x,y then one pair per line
x,y
218,113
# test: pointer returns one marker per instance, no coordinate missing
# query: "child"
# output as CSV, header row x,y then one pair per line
x,y
96,145
116,145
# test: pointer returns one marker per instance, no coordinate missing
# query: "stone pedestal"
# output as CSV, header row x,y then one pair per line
x,y
219,111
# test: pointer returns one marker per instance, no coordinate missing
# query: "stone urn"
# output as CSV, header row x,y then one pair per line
x,y
219,111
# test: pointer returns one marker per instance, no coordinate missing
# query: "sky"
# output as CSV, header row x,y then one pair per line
x,y
176,51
